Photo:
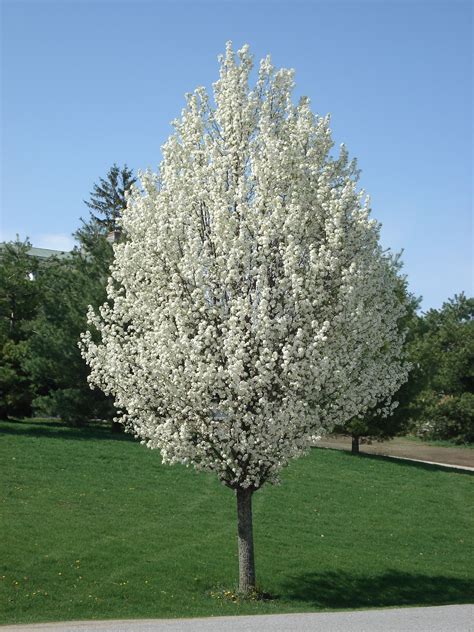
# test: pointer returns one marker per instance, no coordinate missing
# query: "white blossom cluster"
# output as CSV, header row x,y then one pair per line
x,y
251,306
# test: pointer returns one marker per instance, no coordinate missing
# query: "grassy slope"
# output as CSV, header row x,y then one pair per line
x,y
94,526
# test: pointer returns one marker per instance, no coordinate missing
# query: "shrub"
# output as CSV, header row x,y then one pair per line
x,y
453,418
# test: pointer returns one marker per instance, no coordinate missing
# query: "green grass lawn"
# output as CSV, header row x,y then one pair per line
x,y
93,526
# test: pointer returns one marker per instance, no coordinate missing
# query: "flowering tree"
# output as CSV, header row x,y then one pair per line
x,y
251,306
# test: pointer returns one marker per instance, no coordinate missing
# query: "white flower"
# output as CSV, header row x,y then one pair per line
x,y
251,306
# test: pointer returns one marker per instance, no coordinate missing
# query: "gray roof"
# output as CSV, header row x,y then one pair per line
x,y
46,253
43,253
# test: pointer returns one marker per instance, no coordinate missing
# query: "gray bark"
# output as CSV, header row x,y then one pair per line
x,y
245,538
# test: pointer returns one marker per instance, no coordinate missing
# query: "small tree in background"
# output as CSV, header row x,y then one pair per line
x,y
373,426
251,306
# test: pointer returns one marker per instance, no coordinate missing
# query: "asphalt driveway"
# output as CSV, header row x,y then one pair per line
x,y
435,619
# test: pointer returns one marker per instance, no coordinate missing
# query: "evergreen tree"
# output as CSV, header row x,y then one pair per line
x,y
108,198
67,287
19,300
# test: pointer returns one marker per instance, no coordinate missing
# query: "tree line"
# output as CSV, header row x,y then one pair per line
x,y
43,310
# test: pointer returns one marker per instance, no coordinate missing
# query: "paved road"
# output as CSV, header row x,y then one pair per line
x,y
437,619
410,450
456,467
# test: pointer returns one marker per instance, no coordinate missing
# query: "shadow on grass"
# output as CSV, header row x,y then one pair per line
x,y
394,588
56,429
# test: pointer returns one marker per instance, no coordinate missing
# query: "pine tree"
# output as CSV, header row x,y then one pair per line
x,y
19,302
108,198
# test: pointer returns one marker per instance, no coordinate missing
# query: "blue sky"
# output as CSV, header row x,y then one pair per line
x,y
86,84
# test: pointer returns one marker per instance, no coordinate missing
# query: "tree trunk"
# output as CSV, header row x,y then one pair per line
x,y
117,427
355,444
245,531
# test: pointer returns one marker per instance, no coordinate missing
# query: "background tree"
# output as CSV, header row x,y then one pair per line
x,y
19,300
373,426
251,305
42,312
443,351
108,199
67,287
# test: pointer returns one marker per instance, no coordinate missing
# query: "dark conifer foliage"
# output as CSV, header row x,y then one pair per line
x,y
108,197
